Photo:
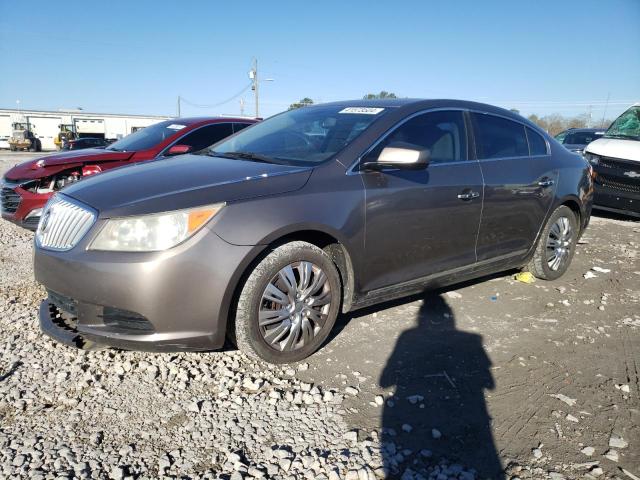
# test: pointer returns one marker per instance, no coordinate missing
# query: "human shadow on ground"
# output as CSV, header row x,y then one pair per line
x,y
440,375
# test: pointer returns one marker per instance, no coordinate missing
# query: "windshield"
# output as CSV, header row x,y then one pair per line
x,y
307,135
147,137
626,125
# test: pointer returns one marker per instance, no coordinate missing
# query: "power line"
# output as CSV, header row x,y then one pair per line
x,y
198,105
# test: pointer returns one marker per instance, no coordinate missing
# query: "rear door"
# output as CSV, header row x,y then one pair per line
x,y
422,222
519,178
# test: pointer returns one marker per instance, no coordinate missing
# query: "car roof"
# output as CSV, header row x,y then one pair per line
x,y
426,104
201,120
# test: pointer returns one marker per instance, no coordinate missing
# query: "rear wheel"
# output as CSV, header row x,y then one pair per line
x,y
556,245
289,304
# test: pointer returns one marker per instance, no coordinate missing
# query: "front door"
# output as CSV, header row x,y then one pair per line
x,y
422,222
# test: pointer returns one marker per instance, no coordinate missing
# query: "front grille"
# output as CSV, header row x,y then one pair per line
x,y
9,200
31,222
616,183
63,224
618,163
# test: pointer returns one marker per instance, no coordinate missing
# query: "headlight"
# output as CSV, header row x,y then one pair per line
x,y
150,233
592,158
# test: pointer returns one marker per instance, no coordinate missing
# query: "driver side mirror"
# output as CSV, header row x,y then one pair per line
x,y
179,149
405,156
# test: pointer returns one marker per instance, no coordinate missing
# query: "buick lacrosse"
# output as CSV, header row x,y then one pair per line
x,y
316,211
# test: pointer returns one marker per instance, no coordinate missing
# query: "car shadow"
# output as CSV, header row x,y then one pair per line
x,y
613,215
439,375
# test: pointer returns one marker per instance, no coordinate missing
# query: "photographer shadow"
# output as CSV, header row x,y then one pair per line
x,y
440,375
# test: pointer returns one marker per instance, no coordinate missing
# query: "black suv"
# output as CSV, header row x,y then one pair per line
x,y
312,212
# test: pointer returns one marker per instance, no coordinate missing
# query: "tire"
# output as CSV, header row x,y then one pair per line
x,y
292,329
543,264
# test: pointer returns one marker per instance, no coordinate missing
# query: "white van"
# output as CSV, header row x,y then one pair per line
x,y
616,160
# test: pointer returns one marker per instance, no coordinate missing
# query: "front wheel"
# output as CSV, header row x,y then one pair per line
x,y
289,304
556,245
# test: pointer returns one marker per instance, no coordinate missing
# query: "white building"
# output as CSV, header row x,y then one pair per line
x,y
46,124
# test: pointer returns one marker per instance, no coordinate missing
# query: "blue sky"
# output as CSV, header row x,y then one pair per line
x,y
543,56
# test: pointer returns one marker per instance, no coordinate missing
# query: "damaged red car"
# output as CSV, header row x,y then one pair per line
x,y
27,186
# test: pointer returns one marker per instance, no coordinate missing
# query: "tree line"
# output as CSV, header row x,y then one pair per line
x,y
556,123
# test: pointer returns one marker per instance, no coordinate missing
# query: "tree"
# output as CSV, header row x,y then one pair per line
x,y
305,102
515,110
382,94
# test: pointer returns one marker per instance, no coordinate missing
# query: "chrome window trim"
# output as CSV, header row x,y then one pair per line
x,y
352,168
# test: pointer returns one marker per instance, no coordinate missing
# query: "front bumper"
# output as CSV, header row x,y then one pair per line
x,y
617,187
27,202
177,300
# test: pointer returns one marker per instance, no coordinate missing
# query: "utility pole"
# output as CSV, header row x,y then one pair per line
x,y
253,75
178,110
242,107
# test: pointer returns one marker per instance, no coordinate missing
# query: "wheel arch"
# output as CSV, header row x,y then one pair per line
x,y
331,244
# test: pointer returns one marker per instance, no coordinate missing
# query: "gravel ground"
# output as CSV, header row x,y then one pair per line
x,y
541,380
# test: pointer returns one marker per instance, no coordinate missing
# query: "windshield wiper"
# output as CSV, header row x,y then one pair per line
x,y
255,157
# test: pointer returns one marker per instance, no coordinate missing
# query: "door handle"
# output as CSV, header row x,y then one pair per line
x,y
546,183
468,195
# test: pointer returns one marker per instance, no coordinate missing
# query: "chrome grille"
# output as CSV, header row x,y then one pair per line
x,y
63,224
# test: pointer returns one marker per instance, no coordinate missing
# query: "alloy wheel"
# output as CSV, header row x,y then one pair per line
x,y
559,243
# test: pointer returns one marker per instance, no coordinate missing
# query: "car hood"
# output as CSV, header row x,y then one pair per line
x,y
616,148
182,182
44,166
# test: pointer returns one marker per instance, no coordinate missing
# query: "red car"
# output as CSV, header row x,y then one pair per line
x,y
27,186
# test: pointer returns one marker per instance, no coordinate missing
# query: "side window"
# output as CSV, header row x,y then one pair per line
x,y
537,145
443,133
206,136
239,126
497,137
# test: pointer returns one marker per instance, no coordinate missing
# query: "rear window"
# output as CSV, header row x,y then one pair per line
x,y
537,145
497,137
581,138
148,137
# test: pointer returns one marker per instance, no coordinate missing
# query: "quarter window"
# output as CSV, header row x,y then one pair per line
x,y
537,145
206,136
498,137
442,133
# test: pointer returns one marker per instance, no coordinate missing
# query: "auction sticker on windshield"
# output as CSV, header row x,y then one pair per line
x,y
176,126
362,110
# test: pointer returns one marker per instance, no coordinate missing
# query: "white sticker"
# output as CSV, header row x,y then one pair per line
x,y
362,110
176,126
